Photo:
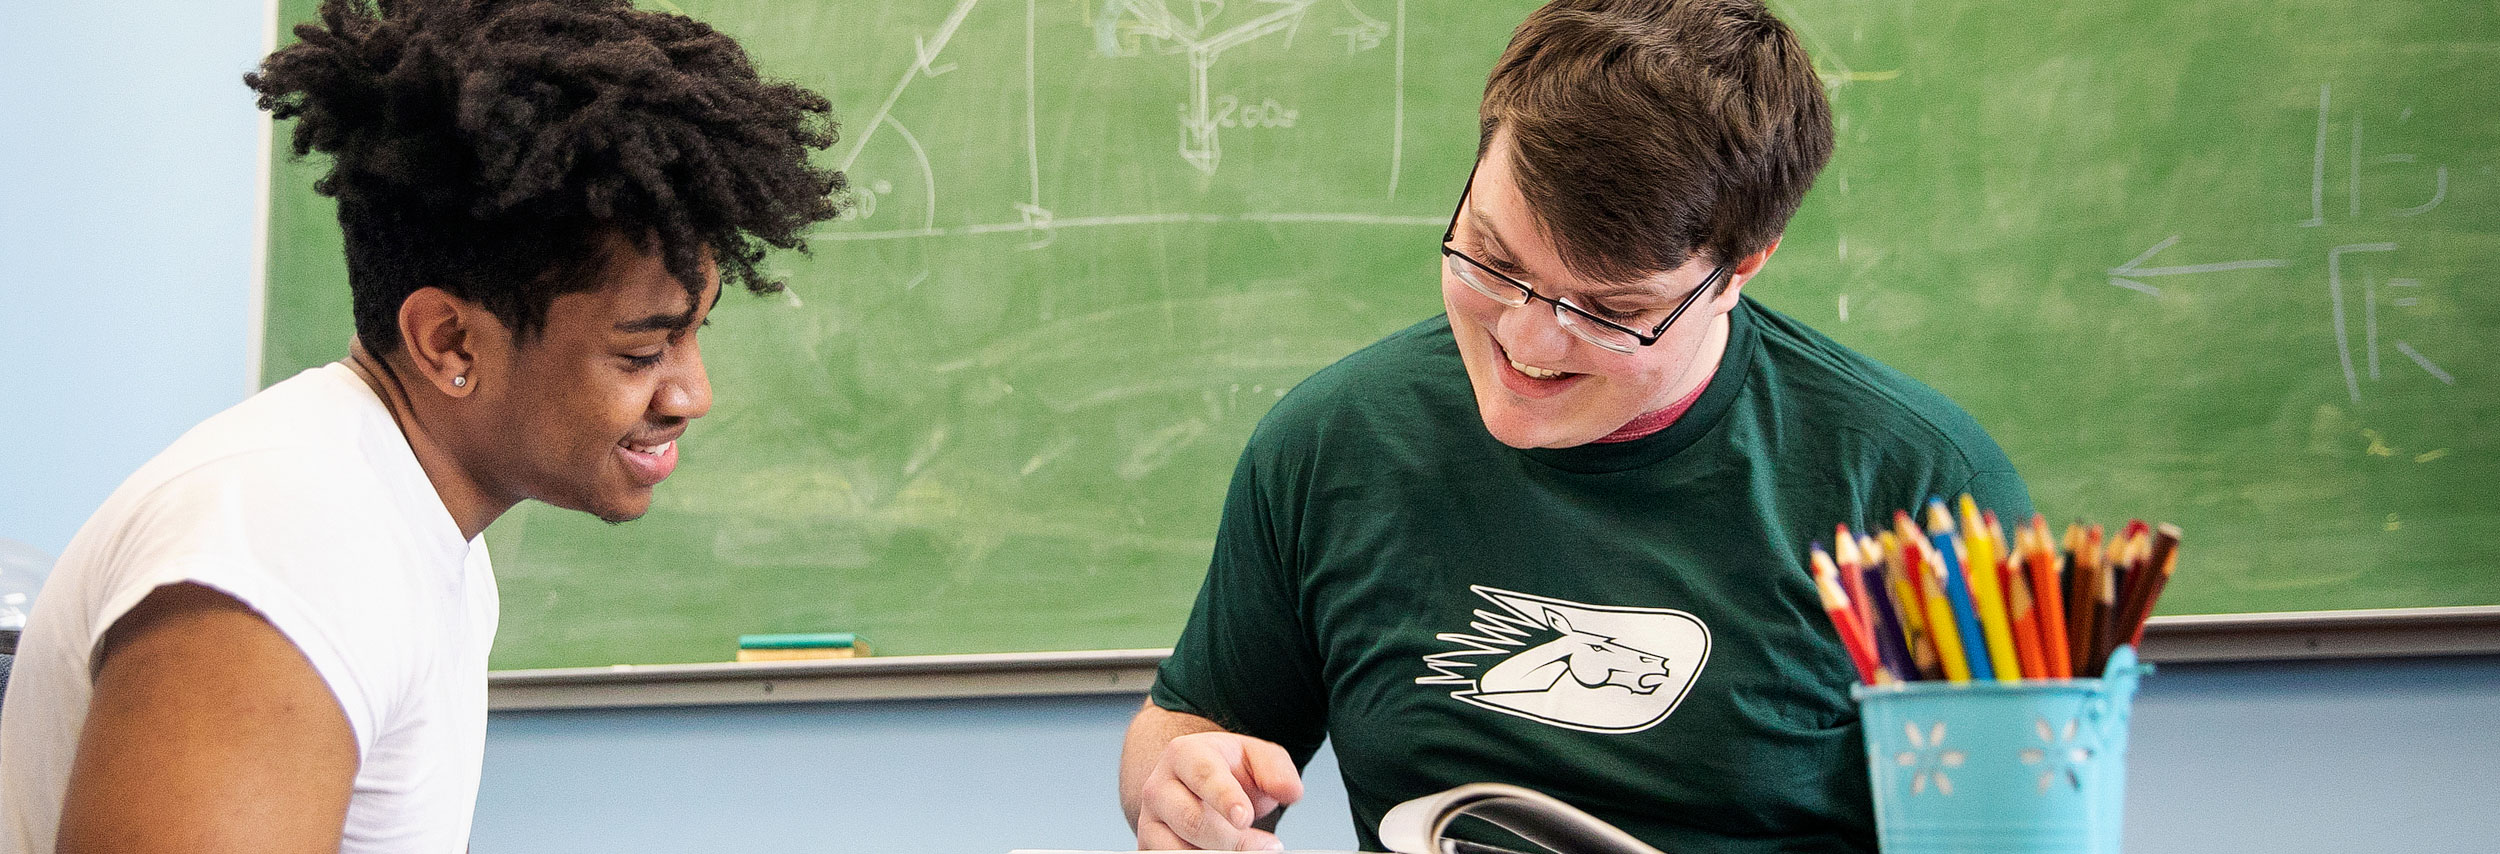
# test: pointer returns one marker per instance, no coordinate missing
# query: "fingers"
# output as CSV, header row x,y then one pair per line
x,y
1271,773
1212,773
1175,817
1209,787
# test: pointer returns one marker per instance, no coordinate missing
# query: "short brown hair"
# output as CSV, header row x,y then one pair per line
x,y
1648,131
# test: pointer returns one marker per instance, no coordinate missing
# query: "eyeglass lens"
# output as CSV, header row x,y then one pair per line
x,y
1514,296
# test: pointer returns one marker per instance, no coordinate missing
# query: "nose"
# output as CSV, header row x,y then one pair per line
x,y
1531,332
688,393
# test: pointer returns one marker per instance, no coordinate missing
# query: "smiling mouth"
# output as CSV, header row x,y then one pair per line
x,y
1525,369
1536,372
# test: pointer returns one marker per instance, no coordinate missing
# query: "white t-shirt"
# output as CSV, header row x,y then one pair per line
x,y
305,503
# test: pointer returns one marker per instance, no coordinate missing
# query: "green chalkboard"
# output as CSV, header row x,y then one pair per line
x,y
2222,263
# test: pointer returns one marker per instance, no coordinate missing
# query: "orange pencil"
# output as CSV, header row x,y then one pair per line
x,y
1853,634
2050,602
2022,611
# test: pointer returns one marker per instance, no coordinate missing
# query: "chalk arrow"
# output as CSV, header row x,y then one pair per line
x,y
2125,275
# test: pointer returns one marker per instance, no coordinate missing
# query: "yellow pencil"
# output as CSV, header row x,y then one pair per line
x,y
1930,572
1897,576
1980,539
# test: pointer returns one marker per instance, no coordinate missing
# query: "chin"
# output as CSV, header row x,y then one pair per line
x,y
1510,433
618,513
612,509
620,517
1512,425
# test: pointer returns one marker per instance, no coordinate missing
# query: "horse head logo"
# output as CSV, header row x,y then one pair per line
x,y
1605,668
1589,659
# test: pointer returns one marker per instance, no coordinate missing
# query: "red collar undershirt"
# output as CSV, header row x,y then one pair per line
x,y
1654,421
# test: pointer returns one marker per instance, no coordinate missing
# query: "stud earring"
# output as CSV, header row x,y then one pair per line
x,y
461,381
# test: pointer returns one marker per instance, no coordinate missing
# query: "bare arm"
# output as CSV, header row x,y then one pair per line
x,y
208,732
1187,783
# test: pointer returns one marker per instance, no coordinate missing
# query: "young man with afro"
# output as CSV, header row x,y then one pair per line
x,y
273,637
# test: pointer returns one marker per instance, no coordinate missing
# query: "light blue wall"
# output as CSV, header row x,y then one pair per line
x,y
128,154
128,180
923,777
2280,758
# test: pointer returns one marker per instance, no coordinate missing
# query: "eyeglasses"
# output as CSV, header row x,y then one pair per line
x,y
1501,288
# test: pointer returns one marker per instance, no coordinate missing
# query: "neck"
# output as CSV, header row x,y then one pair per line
x,y
1698,365
426,425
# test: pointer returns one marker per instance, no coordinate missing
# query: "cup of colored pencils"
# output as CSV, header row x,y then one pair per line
x,y
1996,672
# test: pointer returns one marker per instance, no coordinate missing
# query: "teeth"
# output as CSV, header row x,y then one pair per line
x,y
654,450
1539,373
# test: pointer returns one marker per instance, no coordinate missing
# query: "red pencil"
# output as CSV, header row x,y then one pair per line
x,y
1853,634
1853,578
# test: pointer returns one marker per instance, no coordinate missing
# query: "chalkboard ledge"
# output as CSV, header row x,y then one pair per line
x,y
2304,635
911,677
2291,636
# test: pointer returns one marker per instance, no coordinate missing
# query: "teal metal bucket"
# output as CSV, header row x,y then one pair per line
x,y
2034,767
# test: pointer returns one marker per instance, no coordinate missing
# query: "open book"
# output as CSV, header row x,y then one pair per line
x,y
1416,827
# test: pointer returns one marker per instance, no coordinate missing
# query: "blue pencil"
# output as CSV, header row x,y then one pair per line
x,y
1957,590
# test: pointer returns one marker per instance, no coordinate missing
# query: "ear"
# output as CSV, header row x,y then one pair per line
x,y
1743,271
442,334
1554,620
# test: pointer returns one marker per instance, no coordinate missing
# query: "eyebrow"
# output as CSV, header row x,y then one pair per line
x,y
665,322
1483,227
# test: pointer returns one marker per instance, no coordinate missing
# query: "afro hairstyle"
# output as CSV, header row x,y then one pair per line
x,y
495,148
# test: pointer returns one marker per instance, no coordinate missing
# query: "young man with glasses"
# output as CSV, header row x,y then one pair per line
x,y
1553,537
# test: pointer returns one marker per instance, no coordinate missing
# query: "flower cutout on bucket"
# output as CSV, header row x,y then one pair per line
x,y
1929,758
2061,755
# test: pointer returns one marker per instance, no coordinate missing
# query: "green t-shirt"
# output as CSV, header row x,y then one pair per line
x,y
1628,627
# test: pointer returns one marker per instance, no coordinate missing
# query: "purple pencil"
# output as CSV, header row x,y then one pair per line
x,y
1891,645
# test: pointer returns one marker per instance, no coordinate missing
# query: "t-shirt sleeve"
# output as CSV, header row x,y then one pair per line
x,y
2001,490
1246,659
301,623
313,567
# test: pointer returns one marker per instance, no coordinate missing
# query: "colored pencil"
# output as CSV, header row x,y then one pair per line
x,y
2022,611
2105,607
1957,590
2164,561
1852,577
2130,563
1892,648
1902,579
2082,620
1942,622
1852,631
1987,590
2051,601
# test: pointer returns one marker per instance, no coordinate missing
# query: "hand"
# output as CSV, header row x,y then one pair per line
x,y
1209,788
